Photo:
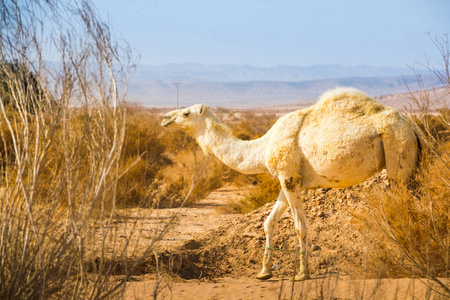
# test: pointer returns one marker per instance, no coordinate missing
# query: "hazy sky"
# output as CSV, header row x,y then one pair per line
x,y
274,32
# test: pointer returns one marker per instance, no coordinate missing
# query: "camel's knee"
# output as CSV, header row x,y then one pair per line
x,y
301,230
277,211
269,225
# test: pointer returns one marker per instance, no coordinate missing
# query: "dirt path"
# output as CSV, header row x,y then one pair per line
x,y
197,219
142,226
318,288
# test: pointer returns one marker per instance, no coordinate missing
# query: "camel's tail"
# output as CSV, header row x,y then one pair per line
x,y
419,152
413,182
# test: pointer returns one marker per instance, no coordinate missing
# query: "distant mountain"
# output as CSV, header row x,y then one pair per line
x,y
247,86
194,72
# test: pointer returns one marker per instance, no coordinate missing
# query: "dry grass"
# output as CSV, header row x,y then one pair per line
x,y
410,229
60,150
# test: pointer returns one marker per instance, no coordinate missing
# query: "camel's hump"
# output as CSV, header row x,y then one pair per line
x,y
342,93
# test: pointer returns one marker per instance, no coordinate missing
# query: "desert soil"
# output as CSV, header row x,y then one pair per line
x,y
209,253
316,288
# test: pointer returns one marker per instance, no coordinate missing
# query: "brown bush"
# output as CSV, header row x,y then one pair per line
x,y
266,190
143,158
411,229
252,125
59,150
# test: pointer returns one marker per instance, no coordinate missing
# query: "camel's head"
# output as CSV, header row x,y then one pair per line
x,y
189,118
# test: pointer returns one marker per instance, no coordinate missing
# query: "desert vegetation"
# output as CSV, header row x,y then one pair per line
x,y
411,228
62,126
72,152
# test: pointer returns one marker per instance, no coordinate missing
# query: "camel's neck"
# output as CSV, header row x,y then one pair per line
x,y
247,157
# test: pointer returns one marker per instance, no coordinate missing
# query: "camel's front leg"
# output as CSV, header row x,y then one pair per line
x,y
291,188
269,227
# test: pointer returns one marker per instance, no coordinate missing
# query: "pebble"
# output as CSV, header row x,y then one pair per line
x,y
315,248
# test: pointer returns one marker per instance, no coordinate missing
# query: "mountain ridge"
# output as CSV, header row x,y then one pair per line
x,y
229,72
249,86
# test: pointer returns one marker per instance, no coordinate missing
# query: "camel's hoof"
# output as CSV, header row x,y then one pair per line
x,y
301,277
264,276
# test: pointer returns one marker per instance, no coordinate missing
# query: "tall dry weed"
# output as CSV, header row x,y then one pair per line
x,y
60,151
143,156
411,229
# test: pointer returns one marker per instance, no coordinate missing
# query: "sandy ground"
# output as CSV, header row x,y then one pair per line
x,y
196,219
208,221
318,288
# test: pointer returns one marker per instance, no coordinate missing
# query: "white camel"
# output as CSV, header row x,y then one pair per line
x,y
340,141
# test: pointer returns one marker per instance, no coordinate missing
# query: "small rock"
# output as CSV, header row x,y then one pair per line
x,y
324,190
321,214
132,278
323,264
315,248
276,267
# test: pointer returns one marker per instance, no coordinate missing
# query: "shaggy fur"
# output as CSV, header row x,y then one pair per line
x,y
341,140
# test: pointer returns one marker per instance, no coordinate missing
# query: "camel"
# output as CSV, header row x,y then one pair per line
x,y
338,142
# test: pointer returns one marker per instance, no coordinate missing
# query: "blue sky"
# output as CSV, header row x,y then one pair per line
x,y
275,32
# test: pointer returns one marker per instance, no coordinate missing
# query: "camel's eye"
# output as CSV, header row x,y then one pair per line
x,y
186,114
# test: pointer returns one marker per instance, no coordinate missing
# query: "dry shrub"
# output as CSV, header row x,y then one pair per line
x,y
60,150
410,229
6,149
214,175
252,125
189,165
266,190
143,158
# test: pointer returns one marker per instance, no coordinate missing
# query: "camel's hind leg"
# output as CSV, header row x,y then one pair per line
x,y
401,150
269,227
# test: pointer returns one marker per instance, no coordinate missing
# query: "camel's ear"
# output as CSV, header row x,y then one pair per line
x,y
202,108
